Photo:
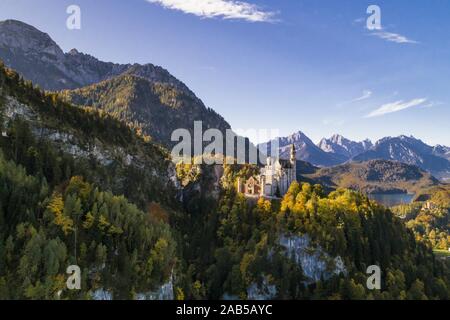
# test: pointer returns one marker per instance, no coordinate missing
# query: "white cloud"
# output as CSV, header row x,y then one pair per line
x,y
225,9
359,20
432,104
393,37
333,122
366,94
395,107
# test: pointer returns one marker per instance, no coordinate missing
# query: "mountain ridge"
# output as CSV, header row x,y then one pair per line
x,y
408,150
154,100
28,50
340,145
306,150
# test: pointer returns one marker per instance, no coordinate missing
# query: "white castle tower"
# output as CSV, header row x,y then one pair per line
x,y
293,164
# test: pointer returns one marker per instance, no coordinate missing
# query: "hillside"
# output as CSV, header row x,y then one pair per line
x,y
65,170
82,140
429,218
155,107
375,176
306,246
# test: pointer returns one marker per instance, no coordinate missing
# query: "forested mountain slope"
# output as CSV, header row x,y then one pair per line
x,y
156,108
63,170
309,245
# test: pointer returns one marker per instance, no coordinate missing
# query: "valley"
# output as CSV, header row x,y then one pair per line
x,y
375,177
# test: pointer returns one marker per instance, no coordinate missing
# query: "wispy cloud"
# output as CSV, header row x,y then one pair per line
x,y
333,122
366,94
359,20
395,107
224,9
393,37
384,34
432,104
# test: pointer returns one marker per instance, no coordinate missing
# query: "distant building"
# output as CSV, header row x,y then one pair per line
x,y
274,179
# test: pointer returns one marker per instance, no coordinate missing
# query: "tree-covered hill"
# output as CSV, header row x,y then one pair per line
x,y
429,217
55,139
119,248
309,245
157,108
64,171
375,176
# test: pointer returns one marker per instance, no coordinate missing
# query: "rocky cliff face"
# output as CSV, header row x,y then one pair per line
x,y
263,291
164,292
66,141
119,159
442,151
315,263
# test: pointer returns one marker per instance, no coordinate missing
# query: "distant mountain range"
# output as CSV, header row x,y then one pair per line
x,y
442,151
306,150
338,150
411,151
337,144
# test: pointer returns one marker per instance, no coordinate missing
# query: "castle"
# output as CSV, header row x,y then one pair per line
x,y
274,179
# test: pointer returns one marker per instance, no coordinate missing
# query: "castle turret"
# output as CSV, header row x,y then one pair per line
x,y
293,164
293,154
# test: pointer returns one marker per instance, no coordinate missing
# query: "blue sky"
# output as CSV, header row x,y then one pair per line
x,y
291,65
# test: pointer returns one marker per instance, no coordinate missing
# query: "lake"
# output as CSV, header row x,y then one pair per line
x,y
391,200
